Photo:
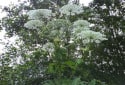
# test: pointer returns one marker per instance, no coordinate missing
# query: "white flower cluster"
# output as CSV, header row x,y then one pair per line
x,y
33,24
48,47
59,23
71,9
55,33
90,36
58,27
82,31
40,14
80,25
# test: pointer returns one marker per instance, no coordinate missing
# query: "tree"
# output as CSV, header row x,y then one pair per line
x,y
109,56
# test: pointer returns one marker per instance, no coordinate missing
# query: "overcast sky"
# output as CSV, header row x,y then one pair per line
x,y
6,3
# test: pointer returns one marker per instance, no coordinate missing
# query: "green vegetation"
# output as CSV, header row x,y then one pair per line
x,y
57,45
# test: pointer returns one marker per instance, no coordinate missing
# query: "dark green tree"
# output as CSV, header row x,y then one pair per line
x,y
109,57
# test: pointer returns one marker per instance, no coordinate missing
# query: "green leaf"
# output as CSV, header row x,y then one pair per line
x,y
76,81
71,64
93,82
79,61
51,68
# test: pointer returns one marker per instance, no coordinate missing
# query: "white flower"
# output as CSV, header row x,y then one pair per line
x,y
71,40
82,31
48,47
90,36
78,47
59,23
81,23
71,9
39,14
79,29
33,24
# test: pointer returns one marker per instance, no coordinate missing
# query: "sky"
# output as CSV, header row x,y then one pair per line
x,y
85,2
6,3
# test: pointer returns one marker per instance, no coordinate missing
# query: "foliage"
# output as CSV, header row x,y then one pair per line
x,y
108,17
55,47
75,81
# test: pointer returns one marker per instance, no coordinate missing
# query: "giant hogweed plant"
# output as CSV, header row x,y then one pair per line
x,y
63,40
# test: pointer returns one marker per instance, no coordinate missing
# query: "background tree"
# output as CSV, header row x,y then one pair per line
x,y
110,56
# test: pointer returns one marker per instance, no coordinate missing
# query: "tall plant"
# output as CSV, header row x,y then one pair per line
x,y
55,45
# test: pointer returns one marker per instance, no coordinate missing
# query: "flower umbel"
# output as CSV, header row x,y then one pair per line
x,y
81,23
40,14
90,36
33,24
71,9
58,24
48,47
